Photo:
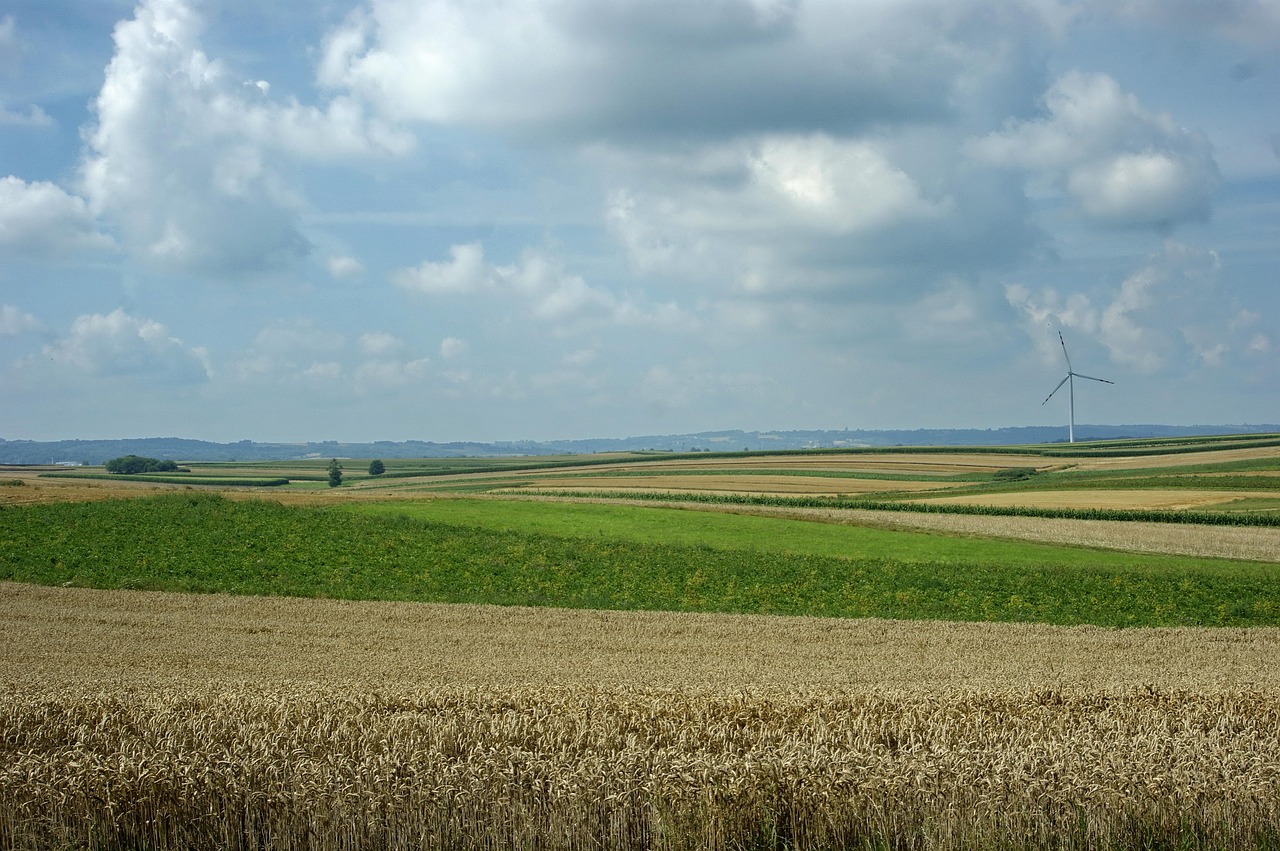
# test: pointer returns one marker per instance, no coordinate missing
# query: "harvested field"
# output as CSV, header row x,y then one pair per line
x,y
35,490
168,721
1186,459
942,464
122,640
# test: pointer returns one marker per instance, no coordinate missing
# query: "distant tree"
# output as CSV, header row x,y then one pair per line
x,y
376,467
134,464
335,473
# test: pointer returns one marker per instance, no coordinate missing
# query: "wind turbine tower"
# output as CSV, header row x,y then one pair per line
x,y
1072,375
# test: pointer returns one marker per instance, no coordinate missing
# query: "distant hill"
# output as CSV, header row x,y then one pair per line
x,y
179,449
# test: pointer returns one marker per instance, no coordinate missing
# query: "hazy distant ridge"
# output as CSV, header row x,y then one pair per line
x,y
180,449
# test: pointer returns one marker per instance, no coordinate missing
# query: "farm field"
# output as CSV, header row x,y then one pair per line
x,y
796,650
163,720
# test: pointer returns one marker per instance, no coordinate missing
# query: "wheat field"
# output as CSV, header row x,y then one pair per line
x,y
143,720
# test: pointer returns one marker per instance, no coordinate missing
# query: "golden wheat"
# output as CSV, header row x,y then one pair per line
x,y
164,721
620,768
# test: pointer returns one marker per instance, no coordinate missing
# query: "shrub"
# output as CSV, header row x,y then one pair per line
x,y
1014,474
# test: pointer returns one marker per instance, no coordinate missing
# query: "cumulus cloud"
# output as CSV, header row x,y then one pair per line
x,y
551,293
815,184
118,344
42,218
1170,313
453,347
33,117
14,321
764,217
8,44
342,267
386,373
11,50
188,160
637,68
762,148
464,272
289,349
303,352
380,343
1121,163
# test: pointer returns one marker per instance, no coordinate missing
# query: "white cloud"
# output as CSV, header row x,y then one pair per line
x,y
118,344
380,343
41,218
812,183
1172,312
1130,343
452,347
14,321
947,316
1122,164
1142,188
787,215
342,266
11,50
382,374
465,272
190,161
8,44
634,69
33,117
838,185
287,349
540,282
303,352
323,371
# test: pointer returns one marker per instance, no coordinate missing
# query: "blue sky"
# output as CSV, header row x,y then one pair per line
x,y
513,219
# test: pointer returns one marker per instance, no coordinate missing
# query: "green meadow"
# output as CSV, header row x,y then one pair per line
x,y
613,557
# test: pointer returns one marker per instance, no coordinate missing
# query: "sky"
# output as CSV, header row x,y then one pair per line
x,y
490,220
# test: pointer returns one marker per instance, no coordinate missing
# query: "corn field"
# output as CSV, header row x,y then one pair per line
x,y
578,768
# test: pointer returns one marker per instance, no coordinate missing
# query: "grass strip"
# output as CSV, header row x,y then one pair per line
x,y
206,543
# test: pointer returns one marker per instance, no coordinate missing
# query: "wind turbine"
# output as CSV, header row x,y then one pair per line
x,y
1072,375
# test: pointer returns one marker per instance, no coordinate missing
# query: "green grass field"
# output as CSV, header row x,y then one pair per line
x,y
610,557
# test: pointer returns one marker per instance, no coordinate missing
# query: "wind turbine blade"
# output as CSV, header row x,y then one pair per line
x,y
1091,378
1056,389
1064,351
